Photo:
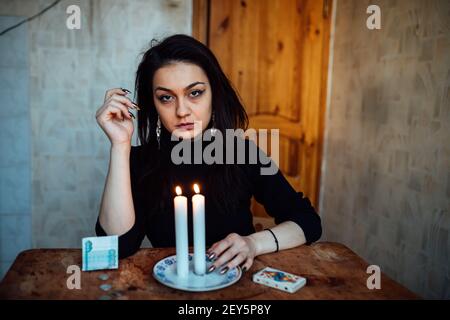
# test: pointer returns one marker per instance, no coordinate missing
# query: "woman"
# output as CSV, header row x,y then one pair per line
x,y
179,83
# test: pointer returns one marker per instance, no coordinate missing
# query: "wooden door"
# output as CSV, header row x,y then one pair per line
x,y
276,53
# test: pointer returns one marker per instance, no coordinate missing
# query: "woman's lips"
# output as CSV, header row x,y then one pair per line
x,y
186,126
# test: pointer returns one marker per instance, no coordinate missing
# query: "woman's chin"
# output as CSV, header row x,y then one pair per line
x,y
185,134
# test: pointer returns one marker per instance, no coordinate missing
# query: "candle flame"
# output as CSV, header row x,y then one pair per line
x,y
178,191
196,188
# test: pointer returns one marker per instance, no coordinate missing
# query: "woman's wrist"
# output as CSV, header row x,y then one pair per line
x,y
254,244
264,242
121,147
260,243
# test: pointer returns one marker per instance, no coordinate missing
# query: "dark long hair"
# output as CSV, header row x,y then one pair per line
x,y
227,182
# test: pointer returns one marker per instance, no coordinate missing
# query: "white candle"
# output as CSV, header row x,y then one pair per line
x,y
181,234
198,207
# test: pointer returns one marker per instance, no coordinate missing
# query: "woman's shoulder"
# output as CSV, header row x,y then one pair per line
x,y
254,158
137,157
136,151
244,146
140,164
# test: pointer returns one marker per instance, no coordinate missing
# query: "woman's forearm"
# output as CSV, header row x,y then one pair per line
x,y
288,233
117,210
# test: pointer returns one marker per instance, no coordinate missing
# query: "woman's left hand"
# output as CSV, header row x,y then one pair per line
x,y
231,252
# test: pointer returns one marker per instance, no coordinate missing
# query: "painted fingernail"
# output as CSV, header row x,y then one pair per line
x,y
131,115
136,106
224,270
211,269
125,90
244,269
212,256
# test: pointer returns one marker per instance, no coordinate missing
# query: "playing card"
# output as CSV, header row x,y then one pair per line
x,y
279,279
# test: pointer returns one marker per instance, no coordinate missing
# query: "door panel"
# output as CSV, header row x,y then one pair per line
x,y
275,53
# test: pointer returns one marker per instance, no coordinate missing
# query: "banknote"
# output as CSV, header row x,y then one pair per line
x,y
100,253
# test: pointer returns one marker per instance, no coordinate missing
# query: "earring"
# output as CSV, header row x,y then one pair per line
x,y
158,131
213,127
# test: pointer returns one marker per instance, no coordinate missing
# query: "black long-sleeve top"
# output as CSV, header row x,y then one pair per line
x,y
274,192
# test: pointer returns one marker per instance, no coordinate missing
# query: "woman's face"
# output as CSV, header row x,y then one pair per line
x,y
182,96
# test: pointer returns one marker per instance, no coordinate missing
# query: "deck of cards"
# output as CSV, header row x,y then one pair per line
x,y
100,253
279,279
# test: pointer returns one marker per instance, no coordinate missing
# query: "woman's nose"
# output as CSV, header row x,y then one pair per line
x,y
183,109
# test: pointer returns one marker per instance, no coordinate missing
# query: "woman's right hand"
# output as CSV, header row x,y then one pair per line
x,y
114,118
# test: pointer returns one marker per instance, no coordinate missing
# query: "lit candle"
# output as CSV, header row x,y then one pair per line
x,y
181,234
198,207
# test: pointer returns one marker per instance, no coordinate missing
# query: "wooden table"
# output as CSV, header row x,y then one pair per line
x,y
332,271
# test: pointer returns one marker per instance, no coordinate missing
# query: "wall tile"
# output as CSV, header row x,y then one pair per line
x,y
69,72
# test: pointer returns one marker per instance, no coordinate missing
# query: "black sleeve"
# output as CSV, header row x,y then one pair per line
x,y
281,201
130,242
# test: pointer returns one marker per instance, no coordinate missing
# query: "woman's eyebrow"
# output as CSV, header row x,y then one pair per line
x,y
187,88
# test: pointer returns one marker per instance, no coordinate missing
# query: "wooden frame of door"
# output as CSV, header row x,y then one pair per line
x,y
313,89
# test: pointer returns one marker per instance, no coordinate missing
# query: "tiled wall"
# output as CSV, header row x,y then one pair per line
x,y
15,148
386,184
70,71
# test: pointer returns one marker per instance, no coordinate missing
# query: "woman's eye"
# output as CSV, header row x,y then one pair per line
x,y
164,98
196,93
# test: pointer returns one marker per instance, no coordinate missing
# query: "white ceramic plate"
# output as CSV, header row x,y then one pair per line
x,y
165,271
